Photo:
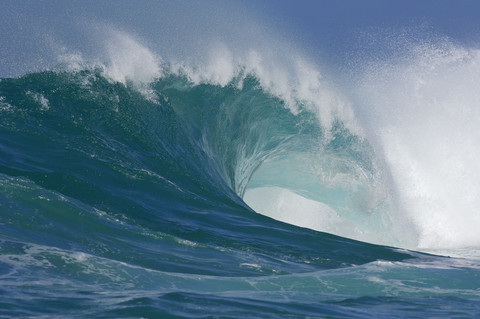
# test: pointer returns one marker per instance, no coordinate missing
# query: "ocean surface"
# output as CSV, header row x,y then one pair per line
x,y
137,189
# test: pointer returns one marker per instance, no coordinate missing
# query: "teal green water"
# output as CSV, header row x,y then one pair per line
x,y
119,204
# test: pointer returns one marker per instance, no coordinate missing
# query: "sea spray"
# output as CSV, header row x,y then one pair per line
x,y
423,117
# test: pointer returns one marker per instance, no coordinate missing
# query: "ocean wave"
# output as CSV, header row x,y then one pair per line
x,y
239,181
266,126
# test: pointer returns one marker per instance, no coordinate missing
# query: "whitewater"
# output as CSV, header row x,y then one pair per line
x,y
240,182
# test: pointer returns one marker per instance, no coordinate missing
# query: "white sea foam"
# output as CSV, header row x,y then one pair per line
x,y
40,99
4,106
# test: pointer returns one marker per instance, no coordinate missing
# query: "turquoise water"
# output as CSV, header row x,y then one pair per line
x,y
118,201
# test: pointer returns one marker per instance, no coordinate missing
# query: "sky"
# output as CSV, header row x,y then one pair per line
x,y
31,32
454,18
